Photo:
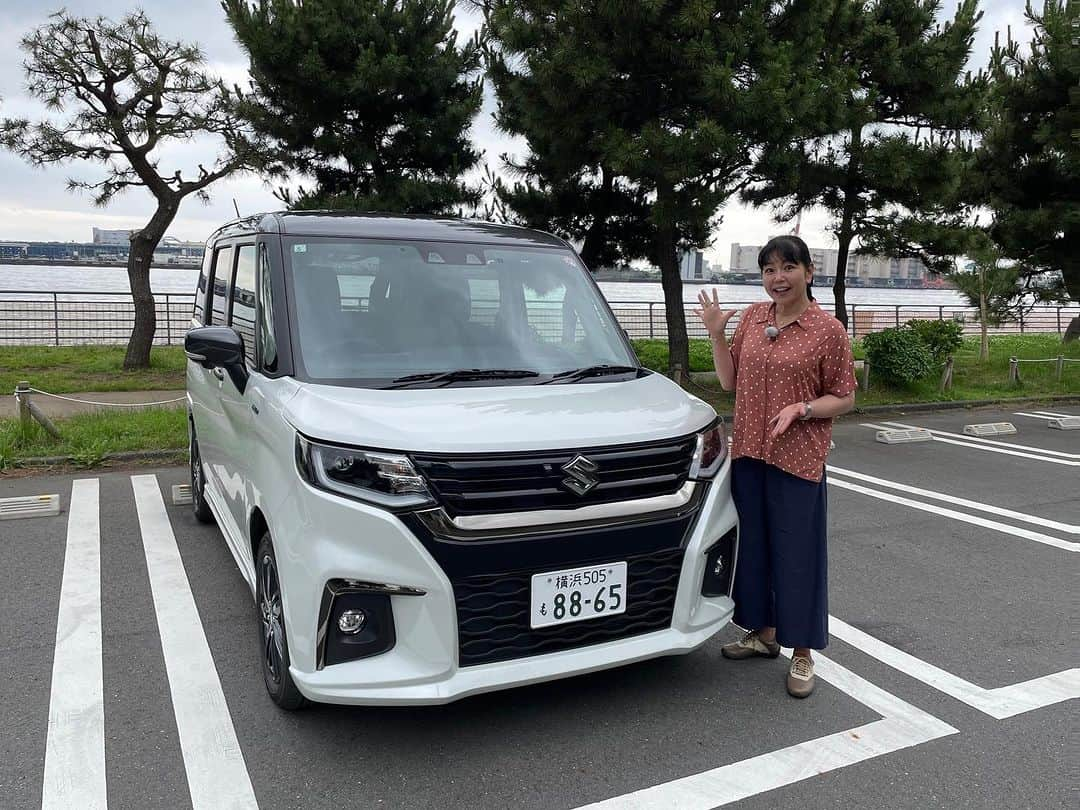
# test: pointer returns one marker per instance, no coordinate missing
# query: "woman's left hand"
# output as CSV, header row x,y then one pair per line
x,y
782,421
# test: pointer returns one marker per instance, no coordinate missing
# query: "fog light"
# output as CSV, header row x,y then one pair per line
x,y
351,622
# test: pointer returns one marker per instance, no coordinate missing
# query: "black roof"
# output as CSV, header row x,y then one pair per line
x,y
386,226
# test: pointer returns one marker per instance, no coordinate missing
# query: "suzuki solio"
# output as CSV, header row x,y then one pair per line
x,y
438,463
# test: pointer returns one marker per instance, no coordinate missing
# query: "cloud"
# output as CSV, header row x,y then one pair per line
x,y
34,204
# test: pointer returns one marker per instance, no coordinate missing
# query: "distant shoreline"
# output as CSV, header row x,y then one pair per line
x,y
621,279
76,263
607,277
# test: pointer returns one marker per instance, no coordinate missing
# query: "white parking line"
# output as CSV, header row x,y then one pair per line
x,y
216,773
1053,415
1034,415
1013,445
975,520
977,444
1068,528
902,726
75,742
1000,703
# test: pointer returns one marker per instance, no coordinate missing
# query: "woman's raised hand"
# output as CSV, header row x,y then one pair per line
x,y
714,318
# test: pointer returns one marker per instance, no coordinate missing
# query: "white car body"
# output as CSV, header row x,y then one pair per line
x,y
248,446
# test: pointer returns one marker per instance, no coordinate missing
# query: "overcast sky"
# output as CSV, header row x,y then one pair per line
x,y
35,204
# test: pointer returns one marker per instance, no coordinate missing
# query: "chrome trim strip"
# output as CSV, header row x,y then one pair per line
x,y
582,514
357,586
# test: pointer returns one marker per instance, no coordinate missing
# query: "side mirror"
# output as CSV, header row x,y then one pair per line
x,y
218,347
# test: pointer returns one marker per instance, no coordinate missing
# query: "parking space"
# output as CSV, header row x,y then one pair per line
x,y
936,620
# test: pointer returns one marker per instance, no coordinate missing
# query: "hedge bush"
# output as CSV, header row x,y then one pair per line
x,y
942,337
898,355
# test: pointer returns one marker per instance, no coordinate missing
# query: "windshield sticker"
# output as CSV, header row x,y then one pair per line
x,y
299,248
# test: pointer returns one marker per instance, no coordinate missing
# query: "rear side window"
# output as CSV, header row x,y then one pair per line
x,y
219,296
200,292
243,299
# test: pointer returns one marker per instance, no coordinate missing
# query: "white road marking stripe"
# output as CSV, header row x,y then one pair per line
x,y
1068,528
1000,703
1012,445
75,743
971,443
903,726
216,773
1054,415
1034,415
961,516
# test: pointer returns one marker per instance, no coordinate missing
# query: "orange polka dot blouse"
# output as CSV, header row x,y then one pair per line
x,y
811,357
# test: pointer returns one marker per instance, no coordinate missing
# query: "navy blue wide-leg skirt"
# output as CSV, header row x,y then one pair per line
x,y
781,576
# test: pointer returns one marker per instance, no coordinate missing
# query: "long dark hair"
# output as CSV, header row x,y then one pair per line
x,y
788,249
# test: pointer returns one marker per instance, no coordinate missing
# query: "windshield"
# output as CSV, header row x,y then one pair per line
x,y
373,313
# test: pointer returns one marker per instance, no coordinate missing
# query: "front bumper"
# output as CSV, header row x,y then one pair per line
x,y
326,537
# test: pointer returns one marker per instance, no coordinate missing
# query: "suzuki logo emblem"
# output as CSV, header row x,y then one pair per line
x,y
581,475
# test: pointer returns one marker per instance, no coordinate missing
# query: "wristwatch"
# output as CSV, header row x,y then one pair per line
x,y
808,412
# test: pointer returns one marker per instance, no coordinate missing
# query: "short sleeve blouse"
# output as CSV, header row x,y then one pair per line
x,y
810,357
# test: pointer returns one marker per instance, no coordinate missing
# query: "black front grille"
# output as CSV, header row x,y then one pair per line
x,y
493,612
512,482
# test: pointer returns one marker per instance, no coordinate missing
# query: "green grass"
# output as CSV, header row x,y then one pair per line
x,y
68,369
972,380
88,438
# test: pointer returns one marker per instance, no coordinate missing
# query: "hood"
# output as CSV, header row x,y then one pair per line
x,y
507,418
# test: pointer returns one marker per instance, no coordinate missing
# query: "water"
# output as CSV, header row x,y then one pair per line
x,y
62,278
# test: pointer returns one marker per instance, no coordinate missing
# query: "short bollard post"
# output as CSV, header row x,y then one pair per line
x,y
865,375
1060,366
22,397
1014,370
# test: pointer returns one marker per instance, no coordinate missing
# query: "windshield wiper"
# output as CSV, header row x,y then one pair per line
x,y
575,374
460,374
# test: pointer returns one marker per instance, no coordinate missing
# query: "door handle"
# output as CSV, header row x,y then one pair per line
x,y
219,373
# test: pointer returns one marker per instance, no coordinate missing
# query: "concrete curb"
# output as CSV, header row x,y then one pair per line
x,y
968,404
130,455
171,455
958,404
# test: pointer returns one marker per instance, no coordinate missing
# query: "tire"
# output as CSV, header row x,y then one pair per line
x,y
273,643
199,507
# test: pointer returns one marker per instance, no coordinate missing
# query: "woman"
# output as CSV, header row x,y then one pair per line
x,y
791,367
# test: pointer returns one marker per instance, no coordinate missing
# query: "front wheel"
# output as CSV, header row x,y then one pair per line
x,y
199,506
274,645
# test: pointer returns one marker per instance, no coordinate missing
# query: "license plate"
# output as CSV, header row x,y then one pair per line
x,y
578,594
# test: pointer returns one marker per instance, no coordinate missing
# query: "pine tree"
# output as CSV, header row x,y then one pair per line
x,y
907,103
124,94
1029,159
1013,194
642,117
373,99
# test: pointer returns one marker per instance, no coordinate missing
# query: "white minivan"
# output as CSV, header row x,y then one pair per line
x,y
439,464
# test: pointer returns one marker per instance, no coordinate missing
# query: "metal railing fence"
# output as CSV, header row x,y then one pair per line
x,y
71,318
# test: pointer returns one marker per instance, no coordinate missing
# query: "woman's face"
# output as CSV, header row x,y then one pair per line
x,y
785,281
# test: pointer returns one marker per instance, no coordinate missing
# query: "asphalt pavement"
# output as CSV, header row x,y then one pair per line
x,y
950,680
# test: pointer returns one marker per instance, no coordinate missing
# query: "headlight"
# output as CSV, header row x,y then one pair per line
x,y
710,452
385,479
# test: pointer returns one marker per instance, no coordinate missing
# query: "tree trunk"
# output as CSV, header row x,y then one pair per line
x,y
845,235
984,343
678,345
596,250
143,245
839,288
1073,332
